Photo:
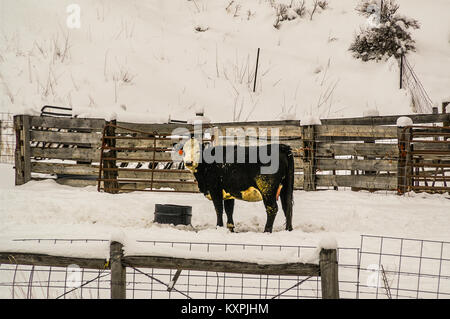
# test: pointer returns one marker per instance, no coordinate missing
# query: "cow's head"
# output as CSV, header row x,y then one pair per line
x,y
191,153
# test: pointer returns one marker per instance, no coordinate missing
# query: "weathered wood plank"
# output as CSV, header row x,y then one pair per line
x,y
222,266
90,154
67,123
169,143
255,130
357,149
162,129
134,156
59,168
180,187
14,258
388,120
93,138
250,141
354,164
424,146
358,181
176,175
295,123
382,132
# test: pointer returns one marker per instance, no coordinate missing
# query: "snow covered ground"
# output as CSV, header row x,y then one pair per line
x,y
45,209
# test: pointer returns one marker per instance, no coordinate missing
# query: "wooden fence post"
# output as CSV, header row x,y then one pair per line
x,y
309,162
329,274
118,271
404,167
111,185
22,153
444,110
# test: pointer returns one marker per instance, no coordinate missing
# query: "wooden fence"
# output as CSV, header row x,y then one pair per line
x,y
360,153
327,268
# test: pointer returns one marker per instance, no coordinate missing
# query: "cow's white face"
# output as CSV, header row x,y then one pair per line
x,y
192,154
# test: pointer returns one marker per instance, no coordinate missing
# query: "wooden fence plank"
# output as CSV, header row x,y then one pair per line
x,y
67,137
354,164
358,181
257,130
424,146
14,258
162,129
59,168
388,120
90,154
150,143
222,266
67,123
176,175
180,187
135,156
357,149
381,132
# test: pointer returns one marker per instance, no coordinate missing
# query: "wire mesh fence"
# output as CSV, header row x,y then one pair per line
x,y
381,268
401,268
7,138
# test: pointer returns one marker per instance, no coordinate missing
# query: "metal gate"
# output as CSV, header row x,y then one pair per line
x,y
134,160
427,153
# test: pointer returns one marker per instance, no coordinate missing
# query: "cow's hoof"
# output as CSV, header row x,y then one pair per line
x,y
230,227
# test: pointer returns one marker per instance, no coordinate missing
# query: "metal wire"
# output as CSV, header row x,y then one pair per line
x,y
7,138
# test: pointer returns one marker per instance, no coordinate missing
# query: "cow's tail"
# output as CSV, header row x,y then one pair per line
x,y
287,191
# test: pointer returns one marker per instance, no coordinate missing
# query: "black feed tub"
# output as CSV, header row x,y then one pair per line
x,y
173,214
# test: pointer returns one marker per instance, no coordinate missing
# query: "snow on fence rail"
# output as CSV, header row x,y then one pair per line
x,y
335,154
87,272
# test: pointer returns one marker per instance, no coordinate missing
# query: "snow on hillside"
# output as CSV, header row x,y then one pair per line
x,y
158,59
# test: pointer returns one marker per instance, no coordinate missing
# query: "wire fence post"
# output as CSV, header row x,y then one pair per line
x,y
118,271
329,274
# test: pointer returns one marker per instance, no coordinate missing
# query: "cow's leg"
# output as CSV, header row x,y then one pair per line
x,y
286,204
217,199
229,207
270,203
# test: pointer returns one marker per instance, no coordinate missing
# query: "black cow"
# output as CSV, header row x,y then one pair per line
x,y
231,177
